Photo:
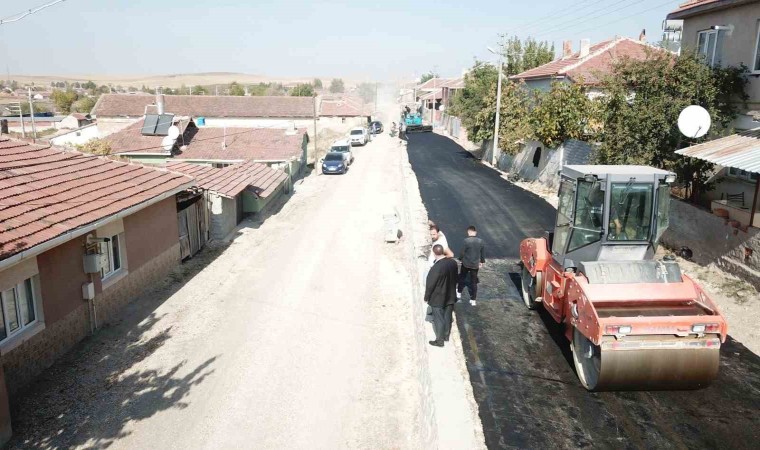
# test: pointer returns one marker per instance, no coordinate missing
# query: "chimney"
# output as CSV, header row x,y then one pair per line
x,y
643,36
4,126
160,103
585,47
567,49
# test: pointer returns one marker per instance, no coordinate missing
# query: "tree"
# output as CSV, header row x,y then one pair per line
x,y
38,108
475,105
317,83
83,105
236,89
520,56
428,76
367,92
95,147
103,89
64,99
302,90
89,85
199,90
642,104
565,112
337,86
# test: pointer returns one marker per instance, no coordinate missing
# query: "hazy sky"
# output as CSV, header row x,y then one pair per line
x,y
357,39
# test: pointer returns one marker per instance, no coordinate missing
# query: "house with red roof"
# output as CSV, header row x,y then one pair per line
x,y
80,237
589,65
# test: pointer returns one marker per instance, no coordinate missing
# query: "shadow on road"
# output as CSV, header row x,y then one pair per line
x,y
88,397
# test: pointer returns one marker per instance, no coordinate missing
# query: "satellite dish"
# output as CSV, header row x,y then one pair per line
x,y
173,132
167,143
694,121
441,108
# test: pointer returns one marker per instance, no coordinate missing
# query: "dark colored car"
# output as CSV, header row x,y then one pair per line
x,y
377,126
334,162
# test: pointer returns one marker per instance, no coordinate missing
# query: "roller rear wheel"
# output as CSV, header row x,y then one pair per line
x,y
529,288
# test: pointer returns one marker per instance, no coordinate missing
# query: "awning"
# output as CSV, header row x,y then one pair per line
x,y
740,151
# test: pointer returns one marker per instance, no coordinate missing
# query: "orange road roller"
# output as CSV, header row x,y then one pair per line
x,y
634,322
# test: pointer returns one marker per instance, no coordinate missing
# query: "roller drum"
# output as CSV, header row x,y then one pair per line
x,y
646,362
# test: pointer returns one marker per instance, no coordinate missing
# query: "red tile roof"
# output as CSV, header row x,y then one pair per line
x,y
438,94
121,105
456,83
693,7
245,144
433,83
594,66
258,178
339,108
46,192
131,139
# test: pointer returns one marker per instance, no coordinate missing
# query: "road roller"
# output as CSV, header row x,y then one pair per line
x,y
634,322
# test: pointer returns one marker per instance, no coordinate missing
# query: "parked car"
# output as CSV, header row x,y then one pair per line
x,y
334,162
343,146
358,136
377,126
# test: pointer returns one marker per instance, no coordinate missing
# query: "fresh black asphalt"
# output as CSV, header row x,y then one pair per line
x,y
519,361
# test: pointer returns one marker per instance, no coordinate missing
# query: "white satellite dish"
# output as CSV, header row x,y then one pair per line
x,y
173,132
167,143
694,121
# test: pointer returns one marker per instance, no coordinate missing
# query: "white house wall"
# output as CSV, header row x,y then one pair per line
x,y
76,137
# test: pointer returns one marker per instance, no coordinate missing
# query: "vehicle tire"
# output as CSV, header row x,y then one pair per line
x,y
587,358
529,284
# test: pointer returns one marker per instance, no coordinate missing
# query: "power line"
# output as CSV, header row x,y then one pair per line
x,y
634,14
571,23
18,16
556,14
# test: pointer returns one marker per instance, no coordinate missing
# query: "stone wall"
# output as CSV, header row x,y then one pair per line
x,y
110,302
712,240
29,359
223,217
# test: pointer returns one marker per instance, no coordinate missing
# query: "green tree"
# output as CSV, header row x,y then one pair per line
x,y
565,112
428,76
302,90
520,56
236,89
95,147
199,90
317,83
64,99
337,86
475,105
89,85
83,105
367,92
643,101
38,108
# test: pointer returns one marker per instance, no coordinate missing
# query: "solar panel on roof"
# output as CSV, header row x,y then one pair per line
x,y
149,124
164,122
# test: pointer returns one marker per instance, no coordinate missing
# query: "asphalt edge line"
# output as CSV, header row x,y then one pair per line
x,y
416,217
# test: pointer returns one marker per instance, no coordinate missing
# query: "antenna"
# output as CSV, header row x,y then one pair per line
x,y
167,143
694,121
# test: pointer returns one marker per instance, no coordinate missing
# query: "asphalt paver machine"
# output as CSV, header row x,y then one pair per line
x,y
634,322
415,124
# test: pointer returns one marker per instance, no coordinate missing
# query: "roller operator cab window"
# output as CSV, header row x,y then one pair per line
x,y
630,211
589,214
564,216
663,210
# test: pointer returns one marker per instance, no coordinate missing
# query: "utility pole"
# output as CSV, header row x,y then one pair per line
x,y
316,150
498,108
31,114
375,97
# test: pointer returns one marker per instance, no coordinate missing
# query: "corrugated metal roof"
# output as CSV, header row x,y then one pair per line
x,y
740,151
258,178
47,192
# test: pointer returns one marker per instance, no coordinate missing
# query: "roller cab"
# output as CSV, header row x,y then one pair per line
x,y
633,322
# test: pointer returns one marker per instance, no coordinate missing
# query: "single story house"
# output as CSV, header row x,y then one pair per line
x,y
75,120
233,191
343,113
140,144
80,236
77,136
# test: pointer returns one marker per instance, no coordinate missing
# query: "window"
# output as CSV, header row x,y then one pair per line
x,y
663,210
589,208
709,46
630,211
18,308
756,60
743,174
110,256
564,215
537,157
220,165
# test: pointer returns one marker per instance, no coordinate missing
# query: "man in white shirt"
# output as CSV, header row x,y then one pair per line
x,y
438,238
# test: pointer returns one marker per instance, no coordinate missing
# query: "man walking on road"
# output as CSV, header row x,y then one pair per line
x,y
440,294
472,257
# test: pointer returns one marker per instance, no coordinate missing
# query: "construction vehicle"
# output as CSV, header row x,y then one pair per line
x,y
634,322
415,124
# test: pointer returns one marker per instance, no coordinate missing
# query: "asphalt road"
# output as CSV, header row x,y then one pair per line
x,y
519,362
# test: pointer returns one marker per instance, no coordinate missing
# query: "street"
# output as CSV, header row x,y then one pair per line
x,y
519,361
298,334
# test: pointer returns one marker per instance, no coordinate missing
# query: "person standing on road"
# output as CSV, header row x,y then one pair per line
x,y
402,131
438,238
440,294
473,258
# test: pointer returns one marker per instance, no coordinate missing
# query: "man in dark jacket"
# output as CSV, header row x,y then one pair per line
x,y
440,294
472,258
